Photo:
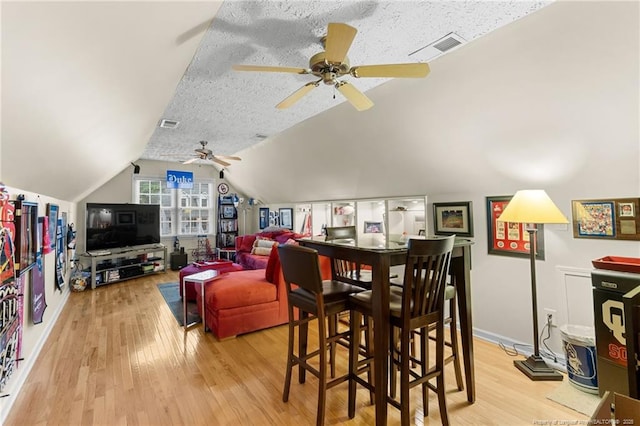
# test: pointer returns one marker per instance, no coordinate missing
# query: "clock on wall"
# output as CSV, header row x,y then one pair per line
x,y
223,188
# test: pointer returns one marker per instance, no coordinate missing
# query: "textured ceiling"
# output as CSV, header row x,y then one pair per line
x,y
235,110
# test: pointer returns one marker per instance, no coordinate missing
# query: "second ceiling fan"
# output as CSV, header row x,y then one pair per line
x,y
333,64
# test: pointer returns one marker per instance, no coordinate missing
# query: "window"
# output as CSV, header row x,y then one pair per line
x,y
182,211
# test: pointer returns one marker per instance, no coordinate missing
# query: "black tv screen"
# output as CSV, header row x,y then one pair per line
x,y
111,225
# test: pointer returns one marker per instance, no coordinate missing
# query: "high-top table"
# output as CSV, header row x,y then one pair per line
x,y
374,250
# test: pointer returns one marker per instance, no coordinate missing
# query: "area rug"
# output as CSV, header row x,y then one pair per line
x,y
171,294
568,395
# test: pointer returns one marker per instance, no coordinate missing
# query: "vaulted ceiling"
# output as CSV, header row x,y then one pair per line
x,y
86,84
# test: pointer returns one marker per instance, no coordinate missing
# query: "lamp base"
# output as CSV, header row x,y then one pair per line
x,y
536,369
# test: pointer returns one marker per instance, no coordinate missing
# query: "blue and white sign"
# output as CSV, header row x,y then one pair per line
x,y
179,179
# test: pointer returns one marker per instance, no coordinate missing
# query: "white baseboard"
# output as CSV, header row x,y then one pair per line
x,y
525,349
24,367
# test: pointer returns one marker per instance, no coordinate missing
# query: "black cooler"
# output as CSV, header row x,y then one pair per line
x,y
616,300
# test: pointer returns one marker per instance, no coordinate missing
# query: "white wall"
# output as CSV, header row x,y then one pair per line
x,y
550,101
35,335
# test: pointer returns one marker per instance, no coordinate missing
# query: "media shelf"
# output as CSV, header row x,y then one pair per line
x,y
125,263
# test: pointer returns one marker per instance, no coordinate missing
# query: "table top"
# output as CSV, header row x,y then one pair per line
x,y
203,275
377,242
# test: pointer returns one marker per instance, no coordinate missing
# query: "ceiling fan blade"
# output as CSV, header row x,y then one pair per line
x,y
339,39
391,70
227,157
353,95
192,160
222,163
295,96
270,69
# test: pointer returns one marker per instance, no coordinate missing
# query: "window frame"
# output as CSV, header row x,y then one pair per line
x,y
176,210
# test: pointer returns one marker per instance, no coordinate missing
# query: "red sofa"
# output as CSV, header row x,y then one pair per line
x,y
244,245
250,300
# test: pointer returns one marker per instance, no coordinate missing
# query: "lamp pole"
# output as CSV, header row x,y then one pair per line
x,y
534,366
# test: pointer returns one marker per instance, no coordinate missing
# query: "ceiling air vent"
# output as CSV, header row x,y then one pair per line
x,y
438,47
168,124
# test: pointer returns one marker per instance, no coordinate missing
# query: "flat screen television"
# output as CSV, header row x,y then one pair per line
x,y
111,225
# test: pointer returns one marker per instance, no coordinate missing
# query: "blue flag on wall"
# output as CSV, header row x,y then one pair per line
x,y
179,179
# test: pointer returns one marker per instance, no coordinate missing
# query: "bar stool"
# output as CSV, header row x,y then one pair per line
x,y
318,300
418,307
344,270
452,343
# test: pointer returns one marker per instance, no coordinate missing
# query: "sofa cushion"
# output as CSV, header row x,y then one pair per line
x,y
243,288
271,264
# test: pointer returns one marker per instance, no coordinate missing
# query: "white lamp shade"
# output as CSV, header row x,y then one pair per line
x,y
532,206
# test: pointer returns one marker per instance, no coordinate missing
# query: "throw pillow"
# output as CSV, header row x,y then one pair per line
x,y
261,251
269,273
263,242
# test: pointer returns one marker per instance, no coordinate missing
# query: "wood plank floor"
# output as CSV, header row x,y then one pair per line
x,y
118,357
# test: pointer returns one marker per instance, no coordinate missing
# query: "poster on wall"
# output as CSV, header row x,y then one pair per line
x,y
7,238
38,302
60,254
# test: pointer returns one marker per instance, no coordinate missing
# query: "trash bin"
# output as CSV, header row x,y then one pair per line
x,y
579,343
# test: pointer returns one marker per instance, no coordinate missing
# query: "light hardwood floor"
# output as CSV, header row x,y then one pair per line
x,y
118,357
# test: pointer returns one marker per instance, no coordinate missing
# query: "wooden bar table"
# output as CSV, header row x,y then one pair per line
x,y
372,249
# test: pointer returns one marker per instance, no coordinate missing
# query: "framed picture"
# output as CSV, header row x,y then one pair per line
x,y
510,239
286,218
615,218
263,217
274,219
372,227
52,215
228,212
453,218
26,214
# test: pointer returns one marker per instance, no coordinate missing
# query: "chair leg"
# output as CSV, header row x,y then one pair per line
x,y
354,352
287,379
333,330
303,334
368,338
455,348
440,390
322,369
404,377
424,367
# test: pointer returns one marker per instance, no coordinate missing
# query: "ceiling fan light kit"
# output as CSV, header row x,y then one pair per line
x,y
333,64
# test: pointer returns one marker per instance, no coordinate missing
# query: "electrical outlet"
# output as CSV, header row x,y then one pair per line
x,y
551,316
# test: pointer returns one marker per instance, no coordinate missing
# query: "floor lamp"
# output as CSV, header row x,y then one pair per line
x,y
533,206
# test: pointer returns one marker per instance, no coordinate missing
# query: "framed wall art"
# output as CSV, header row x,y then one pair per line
x,y
26,216
453,218
52,215
286,218
614,218
510,239
263,217
372,227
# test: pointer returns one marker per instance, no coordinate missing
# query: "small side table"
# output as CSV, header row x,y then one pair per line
x,y
226,253
201,278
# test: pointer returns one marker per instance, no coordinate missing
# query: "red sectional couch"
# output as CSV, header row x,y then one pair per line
x,y
244,245
245,301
